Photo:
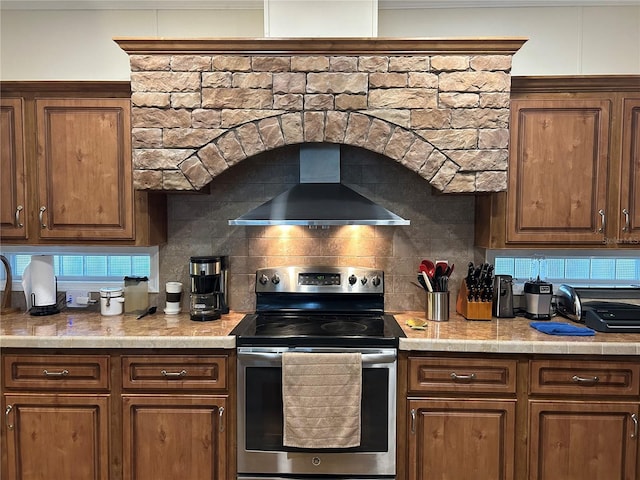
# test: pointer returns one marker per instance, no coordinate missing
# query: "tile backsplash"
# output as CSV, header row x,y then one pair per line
x,y
442,227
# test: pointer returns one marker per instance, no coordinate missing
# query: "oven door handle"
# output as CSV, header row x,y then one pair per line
x,y
367,358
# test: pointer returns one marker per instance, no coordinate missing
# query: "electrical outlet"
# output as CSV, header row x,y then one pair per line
x,y
78,298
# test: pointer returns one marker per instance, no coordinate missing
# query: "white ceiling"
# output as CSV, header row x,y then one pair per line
x,y
258,4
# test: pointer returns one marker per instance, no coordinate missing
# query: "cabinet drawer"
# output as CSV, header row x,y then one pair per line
x,y
56,372
427,375
584,378
174,372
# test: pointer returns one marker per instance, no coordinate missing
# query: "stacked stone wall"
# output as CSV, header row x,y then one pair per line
x,y
445,117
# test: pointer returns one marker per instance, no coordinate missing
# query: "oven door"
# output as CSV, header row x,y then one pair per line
x,y
260,418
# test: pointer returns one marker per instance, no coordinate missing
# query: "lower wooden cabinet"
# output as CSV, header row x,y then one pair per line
x,y
118,415
583,440
174,436
57,437
520,417
460,439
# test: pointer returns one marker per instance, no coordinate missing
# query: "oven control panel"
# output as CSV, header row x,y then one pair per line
x,y
320,279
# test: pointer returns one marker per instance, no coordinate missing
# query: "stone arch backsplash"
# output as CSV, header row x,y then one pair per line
x,y
438,107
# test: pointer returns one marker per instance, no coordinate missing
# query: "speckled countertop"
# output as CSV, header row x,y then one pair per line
x,y
509,335
91,330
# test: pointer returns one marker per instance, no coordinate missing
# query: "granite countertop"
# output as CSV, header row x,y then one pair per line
x,y
69,329
91,330
508,335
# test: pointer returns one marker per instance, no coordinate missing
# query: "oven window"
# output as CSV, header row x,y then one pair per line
x,y
264,419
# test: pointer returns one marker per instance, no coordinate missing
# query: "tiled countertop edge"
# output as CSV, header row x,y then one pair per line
x,y
515,346
226,342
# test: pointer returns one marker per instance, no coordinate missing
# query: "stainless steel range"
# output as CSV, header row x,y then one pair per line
x,y
315,310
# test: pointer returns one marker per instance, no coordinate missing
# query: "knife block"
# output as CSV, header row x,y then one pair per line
x,y
469,309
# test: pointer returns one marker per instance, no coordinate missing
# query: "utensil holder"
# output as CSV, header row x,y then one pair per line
x,y
469,309
437,307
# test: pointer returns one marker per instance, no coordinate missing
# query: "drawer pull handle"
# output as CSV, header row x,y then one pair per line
x,y
7,411
17,222
181,373
625,212
634,418
41,217
220,414
590,381
413,421
602,221
462,378
63,373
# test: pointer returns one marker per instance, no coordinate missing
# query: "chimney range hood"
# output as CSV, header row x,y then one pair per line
x,y
319,199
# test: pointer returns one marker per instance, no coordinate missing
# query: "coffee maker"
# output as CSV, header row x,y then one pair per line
x,y
208,287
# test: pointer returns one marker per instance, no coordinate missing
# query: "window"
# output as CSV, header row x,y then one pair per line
x,y
581,268
88,268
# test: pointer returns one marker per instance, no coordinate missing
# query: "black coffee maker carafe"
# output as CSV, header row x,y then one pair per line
x,y
208,287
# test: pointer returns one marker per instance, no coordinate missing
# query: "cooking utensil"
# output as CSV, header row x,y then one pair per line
x,y
150,311
429,268
427,281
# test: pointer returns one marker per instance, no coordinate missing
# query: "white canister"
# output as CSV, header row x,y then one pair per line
x,y
111,301
174,297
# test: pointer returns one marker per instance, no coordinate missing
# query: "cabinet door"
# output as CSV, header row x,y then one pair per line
x,y
13,195
558,171
582,441
629,208
85,187
174,436
457,439
57,437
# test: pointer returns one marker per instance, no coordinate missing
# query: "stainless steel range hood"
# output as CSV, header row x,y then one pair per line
x,y
319,199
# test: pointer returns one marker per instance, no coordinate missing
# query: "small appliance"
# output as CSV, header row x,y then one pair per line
x,y
601,316
208,288
503,296
538,295
40,286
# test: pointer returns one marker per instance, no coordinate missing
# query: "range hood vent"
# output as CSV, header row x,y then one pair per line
x,y
319,199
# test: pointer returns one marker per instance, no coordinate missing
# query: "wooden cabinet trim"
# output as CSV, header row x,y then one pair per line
x,y
200,372
450,375
478,421
562,213
41,424
564,434
173,414
59,372
579,378
13,200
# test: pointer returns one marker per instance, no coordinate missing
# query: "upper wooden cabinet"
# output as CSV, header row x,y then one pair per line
x,y
13,195
629,205
67,155
83,168
573,166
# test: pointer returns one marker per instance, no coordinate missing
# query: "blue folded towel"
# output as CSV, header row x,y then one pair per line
x,y
559,328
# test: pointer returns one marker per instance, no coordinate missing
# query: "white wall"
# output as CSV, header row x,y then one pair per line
x,y
562,40
77,44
